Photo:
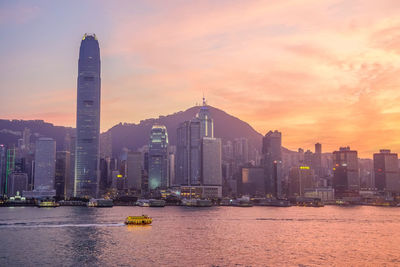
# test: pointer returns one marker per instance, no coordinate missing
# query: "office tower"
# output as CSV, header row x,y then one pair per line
x,y
171,168
206,122
317,160
188,153
308,158
104,172
227,151
18,183
158,158
63,171
88,119
252,181
10,166
272,162
241,150
386,169
26,139
3,168
134,170
45,163
71,185
346,181
106,145
300,179
211,161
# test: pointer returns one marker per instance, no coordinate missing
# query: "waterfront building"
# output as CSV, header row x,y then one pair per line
x,y
323,193
346,181
45,164
88,119
211,161
188,153
62,174
18,183
3,168
252,181
386,170
300,179
158,158
272,162
104,172
134,170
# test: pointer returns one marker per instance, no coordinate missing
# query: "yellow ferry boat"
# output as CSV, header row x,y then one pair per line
x,y
48,204
138,220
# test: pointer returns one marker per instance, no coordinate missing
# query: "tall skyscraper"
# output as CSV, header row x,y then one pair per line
x,y
300,178
134,165
386,169
272,162
211,161
188,153
346,180
206,121
88,119
241,150
158,157
62,177
3,168
45,164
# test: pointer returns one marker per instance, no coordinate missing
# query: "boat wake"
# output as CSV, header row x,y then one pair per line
x,y
35,225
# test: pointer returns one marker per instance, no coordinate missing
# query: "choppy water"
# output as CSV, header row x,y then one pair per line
x,y
217,236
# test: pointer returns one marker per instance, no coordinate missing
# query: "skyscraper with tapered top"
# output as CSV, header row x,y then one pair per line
x,y
88,119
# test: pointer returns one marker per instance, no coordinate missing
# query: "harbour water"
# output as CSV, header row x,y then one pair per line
x,y
216,236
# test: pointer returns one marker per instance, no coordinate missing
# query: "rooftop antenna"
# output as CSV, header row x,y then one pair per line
x,y
204,100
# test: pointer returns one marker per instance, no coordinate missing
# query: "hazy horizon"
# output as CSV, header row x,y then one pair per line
x,y
331,78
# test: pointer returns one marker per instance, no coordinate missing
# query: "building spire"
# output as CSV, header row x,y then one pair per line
x,y
204,100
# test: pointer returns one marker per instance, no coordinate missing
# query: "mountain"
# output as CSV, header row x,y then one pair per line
x,y
133,136
11,131
227,127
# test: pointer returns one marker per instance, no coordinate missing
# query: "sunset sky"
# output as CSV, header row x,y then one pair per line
x,y
319,71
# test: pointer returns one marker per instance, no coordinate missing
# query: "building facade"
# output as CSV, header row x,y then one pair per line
x,y
45,164
386,170
158,158
272,162
88,119
346,180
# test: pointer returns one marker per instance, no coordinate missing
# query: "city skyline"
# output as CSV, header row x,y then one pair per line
x,y
335,83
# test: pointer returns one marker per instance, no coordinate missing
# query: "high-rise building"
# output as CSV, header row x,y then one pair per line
x,y
188,153
171,168
18,183
386,169
3,168
62,177
158,158
252,181
45,164
346,180
272,162
88,119
106,145
134,165
300,179
241,150
211,161
206,121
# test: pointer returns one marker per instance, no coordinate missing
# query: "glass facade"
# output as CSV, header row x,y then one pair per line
x,y
88,119
158,158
